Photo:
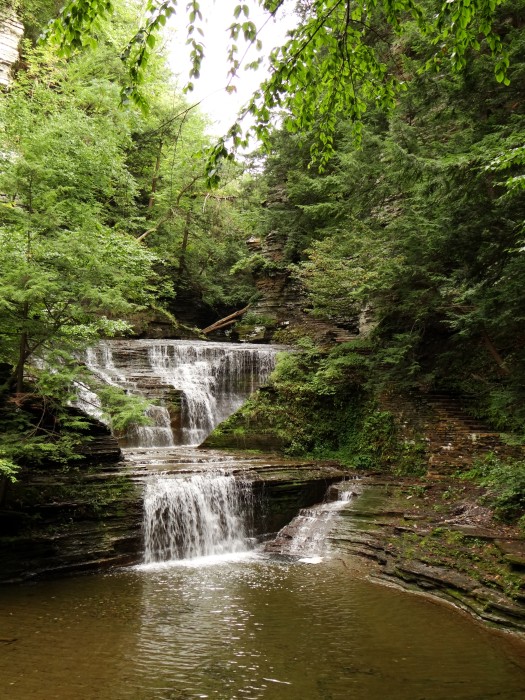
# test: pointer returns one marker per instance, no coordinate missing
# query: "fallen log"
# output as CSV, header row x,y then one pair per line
x,y
225,321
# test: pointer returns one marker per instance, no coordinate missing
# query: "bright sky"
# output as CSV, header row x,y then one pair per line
x,y
221,106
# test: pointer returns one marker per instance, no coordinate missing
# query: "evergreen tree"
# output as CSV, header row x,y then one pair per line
x,y
424,225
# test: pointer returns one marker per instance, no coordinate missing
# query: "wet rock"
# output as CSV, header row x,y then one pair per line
x,y
67,521
434,576
471,565
71,522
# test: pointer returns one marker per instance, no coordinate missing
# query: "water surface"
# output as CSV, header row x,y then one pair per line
x,y
252,628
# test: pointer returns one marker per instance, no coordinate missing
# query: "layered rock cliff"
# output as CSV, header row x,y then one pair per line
x,y
11,31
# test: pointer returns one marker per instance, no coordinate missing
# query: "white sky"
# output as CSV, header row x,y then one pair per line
x,y
221,106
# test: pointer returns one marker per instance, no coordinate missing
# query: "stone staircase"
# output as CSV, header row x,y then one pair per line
x,y
454,438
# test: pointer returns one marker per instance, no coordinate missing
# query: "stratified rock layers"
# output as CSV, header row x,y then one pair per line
x,y
11,31
59,521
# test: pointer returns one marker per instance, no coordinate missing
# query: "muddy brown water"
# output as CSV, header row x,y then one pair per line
x,y
255,627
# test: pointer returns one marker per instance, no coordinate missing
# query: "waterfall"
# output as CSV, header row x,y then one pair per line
x,y
194,384
307,533
198,516
159,434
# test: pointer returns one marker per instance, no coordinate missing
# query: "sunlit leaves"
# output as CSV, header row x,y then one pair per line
x,y
513,161
335,62
75,25
461,24
139,49
67,270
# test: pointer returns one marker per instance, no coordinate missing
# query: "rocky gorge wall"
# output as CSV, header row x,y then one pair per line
x,y
434,538
58,521
282,304
11,31
416,522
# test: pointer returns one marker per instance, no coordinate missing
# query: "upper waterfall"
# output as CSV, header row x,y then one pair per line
x,y
195,384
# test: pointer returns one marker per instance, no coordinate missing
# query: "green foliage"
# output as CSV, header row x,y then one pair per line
x,y
333,62
513,160
8,469
69,270
76,20
422,227
257,264
122,410
39,431
103,212
505,481
373,441
316,406
252,321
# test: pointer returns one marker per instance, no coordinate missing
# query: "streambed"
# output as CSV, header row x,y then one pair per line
x,y
252,626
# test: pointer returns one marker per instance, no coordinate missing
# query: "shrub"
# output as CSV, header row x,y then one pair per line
x,y
505,481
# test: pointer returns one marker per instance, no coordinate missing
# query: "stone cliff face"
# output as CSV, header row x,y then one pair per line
x,y
283,303
11,31
434,537
59,521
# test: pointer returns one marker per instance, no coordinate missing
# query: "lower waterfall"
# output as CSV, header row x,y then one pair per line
x,y
198,516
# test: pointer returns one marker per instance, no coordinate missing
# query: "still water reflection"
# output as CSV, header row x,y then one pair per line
x,y
253,628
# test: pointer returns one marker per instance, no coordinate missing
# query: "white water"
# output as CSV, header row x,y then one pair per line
x,y
214,380
159,434
195,386
306,535
203,515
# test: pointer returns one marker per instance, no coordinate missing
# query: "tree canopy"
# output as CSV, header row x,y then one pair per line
x,y
424,225
413,110
340,56
104,215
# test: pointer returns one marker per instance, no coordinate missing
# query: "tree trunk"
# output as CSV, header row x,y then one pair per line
x,y
495,355
4,483
226,321
155,179
184,246
22,352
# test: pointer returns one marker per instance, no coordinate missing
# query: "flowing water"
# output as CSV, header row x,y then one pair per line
x,y
207,381
306,535
205,618
201,515
209,614
255,629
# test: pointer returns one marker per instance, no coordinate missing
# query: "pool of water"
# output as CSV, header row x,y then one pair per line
x,y
252,627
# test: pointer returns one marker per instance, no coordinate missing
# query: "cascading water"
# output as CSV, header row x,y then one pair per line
x,y
195,386
307,533
199,516
207,381
159,434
